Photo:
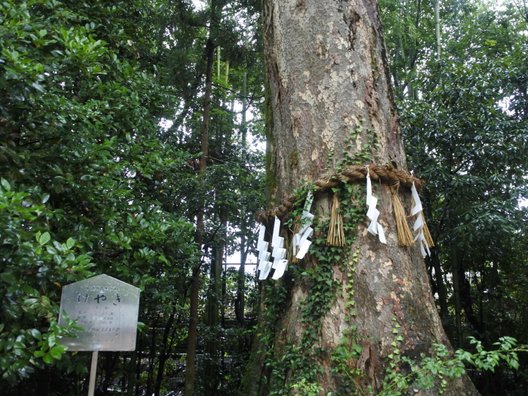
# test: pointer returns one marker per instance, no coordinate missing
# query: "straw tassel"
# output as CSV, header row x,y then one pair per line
x,y
336,233
427,233
405,236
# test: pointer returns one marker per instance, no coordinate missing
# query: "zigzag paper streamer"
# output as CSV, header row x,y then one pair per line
x,y
418,226
279,263
264,269
375,228
280,268
300,242
279,253
261,244
264,266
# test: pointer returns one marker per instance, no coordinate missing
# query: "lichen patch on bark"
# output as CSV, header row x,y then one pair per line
x,y
386,267
315,154
370,255
332,325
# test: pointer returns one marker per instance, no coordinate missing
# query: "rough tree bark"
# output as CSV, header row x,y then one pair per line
x,y
328,83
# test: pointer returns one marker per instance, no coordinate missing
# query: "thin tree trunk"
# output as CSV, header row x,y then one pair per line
x,y
213,320
437,28
467,303
190,367
110,361
131,373
456,295
139,355
192,334
241,280
152,355
164,352
438,278
440,288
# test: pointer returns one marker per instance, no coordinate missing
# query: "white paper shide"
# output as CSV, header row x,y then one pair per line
x,y
278,253
417,210
375,228
300,242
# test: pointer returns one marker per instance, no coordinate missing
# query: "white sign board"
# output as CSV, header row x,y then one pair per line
x,y
107,310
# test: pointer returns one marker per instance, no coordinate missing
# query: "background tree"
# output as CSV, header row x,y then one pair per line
x,y
464,121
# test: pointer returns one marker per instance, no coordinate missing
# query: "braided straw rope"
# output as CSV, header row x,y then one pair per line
x,y
351,174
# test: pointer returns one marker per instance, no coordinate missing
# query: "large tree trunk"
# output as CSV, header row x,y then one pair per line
x,y
331,325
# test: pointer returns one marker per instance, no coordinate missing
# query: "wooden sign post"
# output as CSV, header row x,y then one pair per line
x,y
107,310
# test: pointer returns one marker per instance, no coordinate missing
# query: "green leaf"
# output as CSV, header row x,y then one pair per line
x,y
48,359
44,238
56,352
35,333
70,243
5,184
58,246
38,87
8,277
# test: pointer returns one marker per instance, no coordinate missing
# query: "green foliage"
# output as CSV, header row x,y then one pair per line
x,y
88,185
34,267
394,381
305,388
464,121
300,195
321,283
297,368
358,149
274,300
97,179
436,370
349,350
92,182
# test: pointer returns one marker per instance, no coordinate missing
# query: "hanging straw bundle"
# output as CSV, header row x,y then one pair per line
x,y
427,233
405,236
336,233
